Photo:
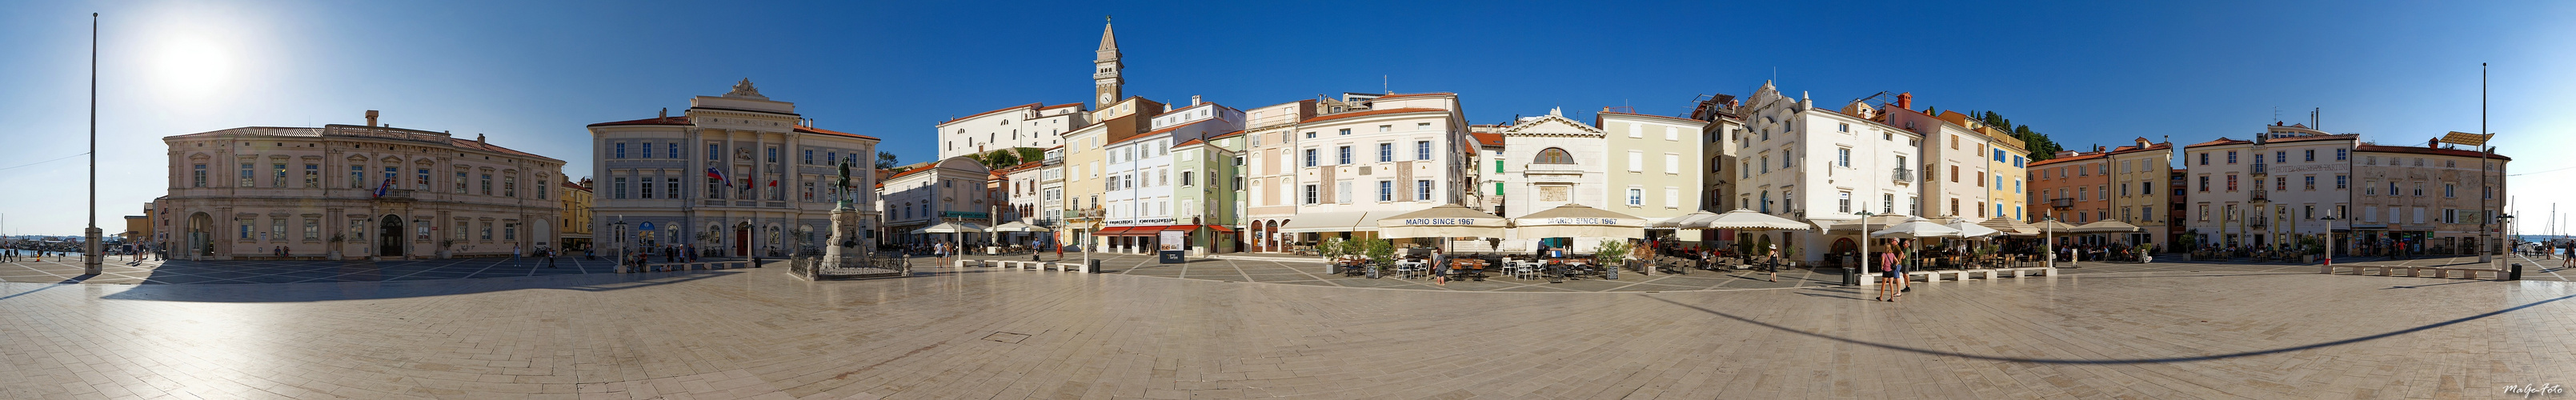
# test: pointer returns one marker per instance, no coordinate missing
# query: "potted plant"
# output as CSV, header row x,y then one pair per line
x,y
1331,249
1380,253
443,245
1612,254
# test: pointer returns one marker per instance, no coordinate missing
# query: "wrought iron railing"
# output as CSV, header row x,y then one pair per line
x,y
1903,174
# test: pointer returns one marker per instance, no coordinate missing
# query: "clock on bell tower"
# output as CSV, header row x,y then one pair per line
x,y
1104,79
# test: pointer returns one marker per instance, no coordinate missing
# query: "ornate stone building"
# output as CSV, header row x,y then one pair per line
x,y
354,191
735,175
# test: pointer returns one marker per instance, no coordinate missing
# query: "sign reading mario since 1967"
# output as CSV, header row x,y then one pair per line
x,y
1440,221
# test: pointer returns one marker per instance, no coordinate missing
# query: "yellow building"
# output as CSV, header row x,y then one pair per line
x,y
576,215
2010,161
2140,173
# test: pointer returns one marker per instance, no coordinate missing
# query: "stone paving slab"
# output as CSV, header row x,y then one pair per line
x,y
760,333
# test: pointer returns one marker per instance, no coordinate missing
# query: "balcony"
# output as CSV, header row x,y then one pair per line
x,y
2259,168
1902,175
2258,222
2261,195
2061,203
397,195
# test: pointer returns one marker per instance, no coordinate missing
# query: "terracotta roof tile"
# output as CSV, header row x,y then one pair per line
x,y
2085,156
683,120
1488,139
1190,142
1023,106
1329,117
2428,150
808,129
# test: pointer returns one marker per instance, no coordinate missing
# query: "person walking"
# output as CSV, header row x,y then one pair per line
x,y
550,257
1439,268
1772,261
1889,274
514,255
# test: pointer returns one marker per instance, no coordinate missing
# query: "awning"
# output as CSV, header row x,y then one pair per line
x,y
1352,221
1119,231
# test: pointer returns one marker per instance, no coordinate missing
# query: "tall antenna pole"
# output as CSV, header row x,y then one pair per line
x,y
90,258
2486,214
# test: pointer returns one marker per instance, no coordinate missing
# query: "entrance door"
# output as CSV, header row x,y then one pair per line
x,y
389,237
201,238
741,242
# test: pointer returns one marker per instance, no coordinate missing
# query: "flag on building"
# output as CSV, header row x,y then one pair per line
x,y
719,175
381,188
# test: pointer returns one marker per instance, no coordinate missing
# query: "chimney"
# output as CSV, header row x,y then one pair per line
x,y
371,118
2433,143
478,138
1194,99
666,112
1905,100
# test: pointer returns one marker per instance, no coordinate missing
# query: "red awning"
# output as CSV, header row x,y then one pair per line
x,y
1130,231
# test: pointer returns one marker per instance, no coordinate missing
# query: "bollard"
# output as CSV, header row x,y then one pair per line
x,y
2516,274
1095,266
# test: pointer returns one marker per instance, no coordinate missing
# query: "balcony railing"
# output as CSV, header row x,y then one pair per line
x,y
2262,195
2061,202
2259,168
1902,174
2258,222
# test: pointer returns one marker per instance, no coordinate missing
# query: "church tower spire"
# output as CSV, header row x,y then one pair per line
x,y
1104,78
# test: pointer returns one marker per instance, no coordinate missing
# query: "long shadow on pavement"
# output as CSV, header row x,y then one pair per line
x,y
2119,360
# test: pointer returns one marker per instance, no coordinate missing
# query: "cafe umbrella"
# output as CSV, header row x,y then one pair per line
x,y
2106,226
958,228
1916,227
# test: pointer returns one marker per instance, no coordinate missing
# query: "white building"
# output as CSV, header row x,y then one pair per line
x,y
1405,152
949,190
736,175
1554,161
1030,125
2265,191
1823,166
1138,176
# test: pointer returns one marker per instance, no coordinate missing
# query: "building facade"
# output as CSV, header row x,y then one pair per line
x,y
945,191
1270,192
576,198
735,175
1401,153
2429,197
1207,194
355,191
1823,166
2140,173
1657,176
2265,193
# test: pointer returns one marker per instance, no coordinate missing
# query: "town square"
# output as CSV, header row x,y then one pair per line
x,y
679,199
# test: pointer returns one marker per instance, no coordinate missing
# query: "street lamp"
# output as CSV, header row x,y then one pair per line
x,y
2330,243
2048,242
2506,221
620,251
1864,245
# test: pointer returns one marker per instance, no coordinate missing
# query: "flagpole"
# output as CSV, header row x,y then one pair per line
x,y
90,261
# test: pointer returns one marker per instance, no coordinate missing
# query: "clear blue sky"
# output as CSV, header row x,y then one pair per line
x,y
531,74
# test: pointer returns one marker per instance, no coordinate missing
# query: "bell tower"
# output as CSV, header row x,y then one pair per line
x,y
1104,77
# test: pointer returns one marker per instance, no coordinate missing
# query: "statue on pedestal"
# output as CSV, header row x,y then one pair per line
x,y
844,225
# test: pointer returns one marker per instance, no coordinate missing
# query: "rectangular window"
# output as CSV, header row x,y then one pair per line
x,y
2204,184
621,151
1385,191
1310,158
1636,197
1842,157
1346,131
1636,131
510,231
2311,182
832,158
619,190
357,176
1313,195
1843,202
1385,152
1422,150
1636,161
313,176
245,175
460,182
2342,154
1343,194
808,193
2311,155
671,187
809,157
2342,181
312,229
773,155
2231,157
2231,182
509,186
277,175
1422,190
1345,156
277,229
1887,203
674,149
487,184
713,153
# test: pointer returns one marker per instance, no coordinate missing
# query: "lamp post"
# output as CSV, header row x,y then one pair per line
x,y
620,251
2330,239
1864,241
2505,221
2048,242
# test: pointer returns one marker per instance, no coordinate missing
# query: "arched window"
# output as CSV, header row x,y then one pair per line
x,y
1554,156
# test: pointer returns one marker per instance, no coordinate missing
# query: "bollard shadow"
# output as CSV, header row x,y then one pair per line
x,y
2159,360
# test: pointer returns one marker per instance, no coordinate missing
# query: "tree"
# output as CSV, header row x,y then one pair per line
x,y
886,160
1001,158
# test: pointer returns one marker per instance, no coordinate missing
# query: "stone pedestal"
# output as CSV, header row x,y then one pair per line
x,y
845,230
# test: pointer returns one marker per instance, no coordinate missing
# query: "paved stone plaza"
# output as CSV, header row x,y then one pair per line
x,y
991,333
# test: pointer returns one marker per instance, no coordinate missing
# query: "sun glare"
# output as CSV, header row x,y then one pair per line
x,y
192,67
